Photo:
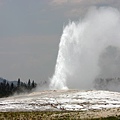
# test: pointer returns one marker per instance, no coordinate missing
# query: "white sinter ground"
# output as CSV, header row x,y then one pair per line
x,y
61,100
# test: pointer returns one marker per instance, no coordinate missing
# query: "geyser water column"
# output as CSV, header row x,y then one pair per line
x,y
81,45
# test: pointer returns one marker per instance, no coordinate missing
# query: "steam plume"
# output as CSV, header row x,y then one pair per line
x,y
81,46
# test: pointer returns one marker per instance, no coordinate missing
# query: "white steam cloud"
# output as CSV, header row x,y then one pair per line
x,y
81,46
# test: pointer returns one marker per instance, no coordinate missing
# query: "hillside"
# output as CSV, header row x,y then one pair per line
x,y
2,80
61,100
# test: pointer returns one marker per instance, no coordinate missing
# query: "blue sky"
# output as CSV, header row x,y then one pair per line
x,y
30,32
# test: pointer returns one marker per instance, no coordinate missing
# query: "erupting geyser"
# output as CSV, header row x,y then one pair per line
x,y
81,46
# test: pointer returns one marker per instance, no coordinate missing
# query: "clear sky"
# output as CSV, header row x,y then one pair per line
x,y
30,32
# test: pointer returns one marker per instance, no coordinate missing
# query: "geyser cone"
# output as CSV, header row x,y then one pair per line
x,y
81,45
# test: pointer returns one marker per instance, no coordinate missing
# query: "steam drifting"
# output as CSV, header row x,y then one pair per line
x,y
81,46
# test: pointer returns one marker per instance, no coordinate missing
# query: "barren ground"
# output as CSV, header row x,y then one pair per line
x,y
72,104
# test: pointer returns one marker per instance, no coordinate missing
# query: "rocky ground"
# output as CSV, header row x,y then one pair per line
x,y
71,103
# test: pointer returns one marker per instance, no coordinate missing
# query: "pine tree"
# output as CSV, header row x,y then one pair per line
x,y
18,83
12,87
33,84
29,84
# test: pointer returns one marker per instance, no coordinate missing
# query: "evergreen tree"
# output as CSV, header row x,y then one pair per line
x,y
12,87
7,89
33,84
29,83
18,83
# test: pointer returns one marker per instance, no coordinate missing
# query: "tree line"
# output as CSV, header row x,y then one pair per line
x,y
8,89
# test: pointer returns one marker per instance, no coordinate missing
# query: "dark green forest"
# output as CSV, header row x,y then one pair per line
x,y
10,88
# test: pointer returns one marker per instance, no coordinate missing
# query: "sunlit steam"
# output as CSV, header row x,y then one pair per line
x,y
81,46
